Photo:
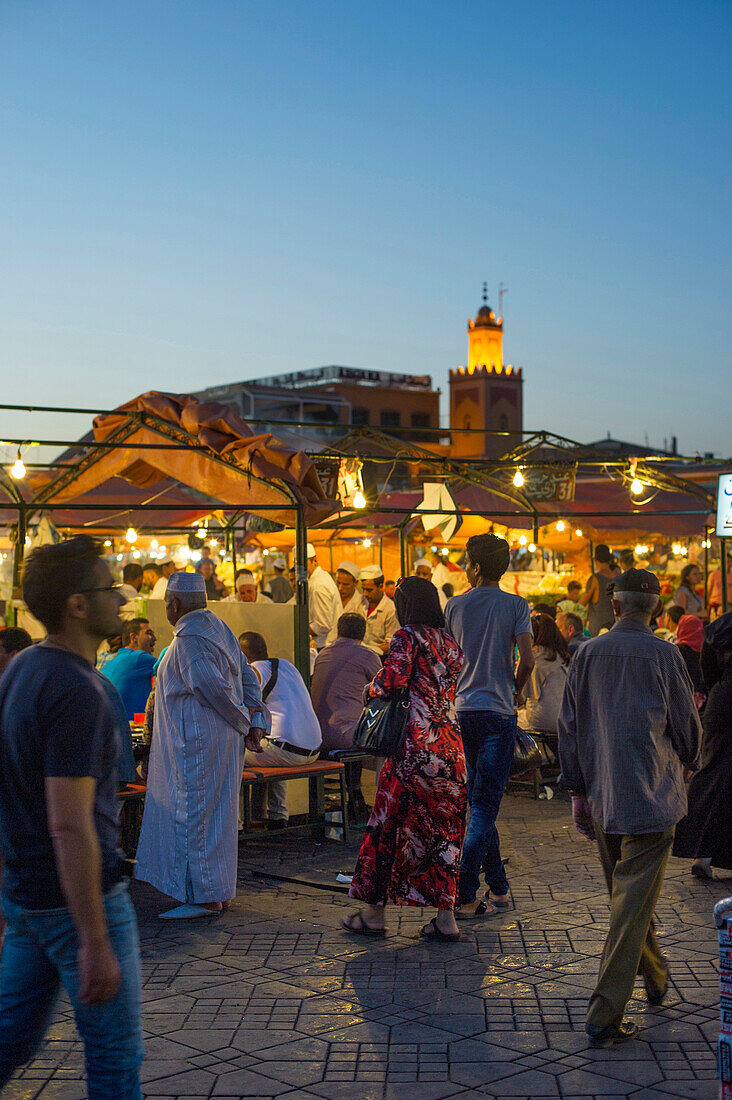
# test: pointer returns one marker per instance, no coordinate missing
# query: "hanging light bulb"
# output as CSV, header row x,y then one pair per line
x,y
359,500
560,525
518,479
107,542
201,532
213,543
522,540
154,544
445,551
18,468
367,543
131,535
578,532
636,487
532,547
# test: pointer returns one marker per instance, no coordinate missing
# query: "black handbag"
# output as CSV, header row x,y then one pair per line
x,y
526,754
383,722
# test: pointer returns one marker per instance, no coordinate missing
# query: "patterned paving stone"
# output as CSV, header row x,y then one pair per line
x,y
273,999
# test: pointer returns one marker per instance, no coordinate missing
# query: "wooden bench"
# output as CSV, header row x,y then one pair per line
x,y
132,796
315,772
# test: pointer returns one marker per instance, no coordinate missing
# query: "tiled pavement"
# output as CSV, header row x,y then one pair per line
x,y
273,1000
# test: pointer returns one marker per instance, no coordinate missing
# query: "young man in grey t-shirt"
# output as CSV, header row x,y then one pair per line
x,y
487,624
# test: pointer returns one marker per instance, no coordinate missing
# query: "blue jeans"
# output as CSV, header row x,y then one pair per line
x,y
39,954
489,740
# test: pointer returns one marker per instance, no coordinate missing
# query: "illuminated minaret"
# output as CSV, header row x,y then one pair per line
x,y
485,394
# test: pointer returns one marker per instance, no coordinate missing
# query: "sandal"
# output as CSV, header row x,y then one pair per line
x,y
495,902
436,933
482,909
364,929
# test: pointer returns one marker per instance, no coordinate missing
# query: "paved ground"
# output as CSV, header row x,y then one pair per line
x,y
274,1000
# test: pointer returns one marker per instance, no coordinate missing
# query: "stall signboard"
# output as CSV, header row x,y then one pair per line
x,y
327,470
547,484
724,507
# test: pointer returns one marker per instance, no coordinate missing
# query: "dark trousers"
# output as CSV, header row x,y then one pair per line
x,y
489,741
634,868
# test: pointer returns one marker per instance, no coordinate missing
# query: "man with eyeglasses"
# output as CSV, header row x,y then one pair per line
x,y
64,891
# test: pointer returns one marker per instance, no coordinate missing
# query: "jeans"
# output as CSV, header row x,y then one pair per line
x,y
39,955
489,740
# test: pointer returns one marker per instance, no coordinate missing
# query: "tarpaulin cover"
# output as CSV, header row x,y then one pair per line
x,y
257,469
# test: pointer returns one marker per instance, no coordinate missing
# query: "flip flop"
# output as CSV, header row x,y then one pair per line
x,y
183,912
365,929
436,933
482,909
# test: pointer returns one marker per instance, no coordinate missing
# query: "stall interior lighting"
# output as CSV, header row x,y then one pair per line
x,y
201,532
522,540
154,544
636,487
107,542
445,551
561,525
532,547
131,535
359,500
706,543
578,532
518,479
641,549
18,468
367,543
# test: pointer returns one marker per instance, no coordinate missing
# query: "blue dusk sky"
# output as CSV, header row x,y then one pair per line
x,y
202,192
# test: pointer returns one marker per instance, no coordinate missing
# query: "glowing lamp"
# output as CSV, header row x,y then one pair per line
x,y
201,532
578,532
532,547
636,487
560,525
522,540
18,469
367,543
107,542
445,551
518,479
359,500
131,535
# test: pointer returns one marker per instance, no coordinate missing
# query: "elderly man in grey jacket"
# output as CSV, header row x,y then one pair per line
x,y
627,727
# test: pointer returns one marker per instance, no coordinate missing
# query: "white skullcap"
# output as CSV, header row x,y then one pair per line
x,y
371,572
279,563
311,550
349,567
186,582
422,561
242,574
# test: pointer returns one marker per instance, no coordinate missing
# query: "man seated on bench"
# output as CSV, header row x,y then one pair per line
x,y
294,738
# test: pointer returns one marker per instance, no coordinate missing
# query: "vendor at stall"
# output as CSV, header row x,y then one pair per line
x,y
246,589
381,616
352,601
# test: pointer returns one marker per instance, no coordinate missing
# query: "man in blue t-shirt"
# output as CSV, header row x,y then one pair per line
x,y
131,669
488,624
69,918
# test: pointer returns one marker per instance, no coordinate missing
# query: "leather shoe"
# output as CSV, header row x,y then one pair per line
x,y
609,1036
656,997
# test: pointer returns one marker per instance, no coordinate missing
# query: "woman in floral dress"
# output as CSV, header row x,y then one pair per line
x,y
410,853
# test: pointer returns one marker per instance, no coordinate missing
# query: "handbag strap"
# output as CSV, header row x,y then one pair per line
x,y
271,683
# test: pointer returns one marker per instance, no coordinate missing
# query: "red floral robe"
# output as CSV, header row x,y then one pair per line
x,y
410,853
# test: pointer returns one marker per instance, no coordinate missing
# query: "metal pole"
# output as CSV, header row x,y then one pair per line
x,y
403,551
232,536
302,618
18,554
723,567
592,557
706,566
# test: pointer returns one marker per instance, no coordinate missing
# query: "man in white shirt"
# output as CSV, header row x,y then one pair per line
x,y
381,616
324,601
294,738
131,581
347,578
246,590
158,592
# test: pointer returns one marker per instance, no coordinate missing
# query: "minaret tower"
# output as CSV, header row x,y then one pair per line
x,y
485,394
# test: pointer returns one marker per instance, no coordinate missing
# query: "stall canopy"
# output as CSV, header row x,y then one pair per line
x,y
171,449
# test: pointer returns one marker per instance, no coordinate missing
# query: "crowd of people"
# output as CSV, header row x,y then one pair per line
x,y
625,709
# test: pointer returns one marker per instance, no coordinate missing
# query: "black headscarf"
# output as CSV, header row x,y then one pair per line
x,y
418,603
